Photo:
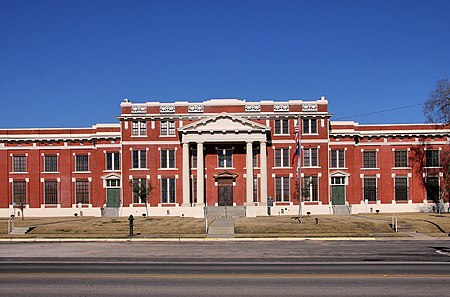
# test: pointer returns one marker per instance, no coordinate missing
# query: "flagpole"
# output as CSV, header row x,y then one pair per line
x,y
299,169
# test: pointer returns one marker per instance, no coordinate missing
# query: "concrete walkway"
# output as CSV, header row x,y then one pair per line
x,y
221,228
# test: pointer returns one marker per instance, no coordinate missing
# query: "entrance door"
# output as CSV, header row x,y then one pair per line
x,y
113,193
338,194
225,191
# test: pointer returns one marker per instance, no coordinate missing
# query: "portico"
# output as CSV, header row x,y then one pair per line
x,y
222,130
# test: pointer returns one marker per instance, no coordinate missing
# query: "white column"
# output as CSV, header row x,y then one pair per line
x,y
186,175
200,174
263,173
249,172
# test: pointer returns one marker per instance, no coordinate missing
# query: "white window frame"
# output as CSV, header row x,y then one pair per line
x,y
282,190
168,126
165,154
138,128
283,127
79,165
139,159
13,164
166,200
376,159
310,187
313,162
307,129
407,187
398,151
282,152
224,153
57,163
114,166
339,153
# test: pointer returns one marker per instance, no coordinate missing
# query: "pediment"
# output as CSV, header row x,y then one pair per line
x,y
225,174
339,173
111,176
224,122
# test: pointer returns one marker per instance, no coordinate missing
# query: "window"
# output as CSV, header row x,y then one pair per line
x,y
255,157
139,128
255,189
137,184
309,126
168,190
310,157
51,163
19,192
82,163
167,158
282,188
194,190
282,126
337,158
310,188
432,158
432,187
400,158
194,158
370,188
167,128
139,159
82,191
113,183
51,192
225,157
282,157
401,188
369,159
19,164
112,161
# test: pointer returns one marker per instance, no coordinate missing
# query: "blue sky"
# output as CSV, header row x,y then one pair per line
x,y
71,63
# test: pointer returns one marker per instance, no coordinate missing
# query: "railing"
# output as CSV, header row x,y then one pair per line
x,y
394,222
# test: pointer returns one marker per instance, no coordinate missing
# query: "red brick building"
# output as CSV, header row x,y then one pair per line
x,y
222,152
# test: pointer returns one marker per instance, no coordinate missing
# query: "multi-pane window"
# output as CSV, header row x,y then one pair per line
x,y
82,191
401,188
51,163
311,188
194,189
370,188
168,190
51,192
401,158
310,157
432,187
369,159
167,128
19,192
337,158
139,185
282,126
432,158
309,126
113,161
194,158
282,188
82,163
167,158
225,158
255,157
255,189
281,157
113,183
139,159
139,128
19,164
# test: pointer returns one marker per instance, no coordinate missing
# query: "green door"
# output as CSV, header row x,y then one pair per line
x,y
113,197
338,194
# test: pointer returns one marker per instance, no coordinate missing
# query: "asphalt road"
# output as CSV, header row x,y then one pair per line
x,y
309,268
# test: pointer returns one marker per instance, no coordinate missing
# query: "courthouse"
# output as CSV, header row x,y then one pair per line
x,y
223,152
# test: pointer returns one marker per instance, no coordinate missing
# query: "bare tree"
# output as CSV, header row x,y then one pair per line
x,y
143,191
437,106
438,192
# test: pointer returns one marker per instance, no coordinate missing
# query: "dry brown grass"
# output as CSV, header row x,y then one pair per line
x,y
276,226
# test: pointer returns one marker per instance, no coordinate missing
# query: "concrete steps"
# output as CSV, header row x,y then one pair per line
x,y
225,212
21,230
110,212
221,228
341,210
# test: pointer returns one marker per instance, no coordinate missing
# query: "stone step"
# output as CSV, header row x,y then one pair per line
x,y
342,210
225,211
22,230
110,212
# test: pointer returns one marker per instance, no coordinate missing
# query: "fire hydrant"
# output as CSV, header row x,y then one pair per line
x,y
131,219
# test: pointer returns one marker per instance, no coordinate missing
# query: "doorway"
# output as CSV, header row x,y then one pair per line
x,y
225,191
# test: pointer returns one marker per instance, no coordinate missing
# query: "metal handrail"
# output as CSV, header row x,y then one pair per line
x,y
394,222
